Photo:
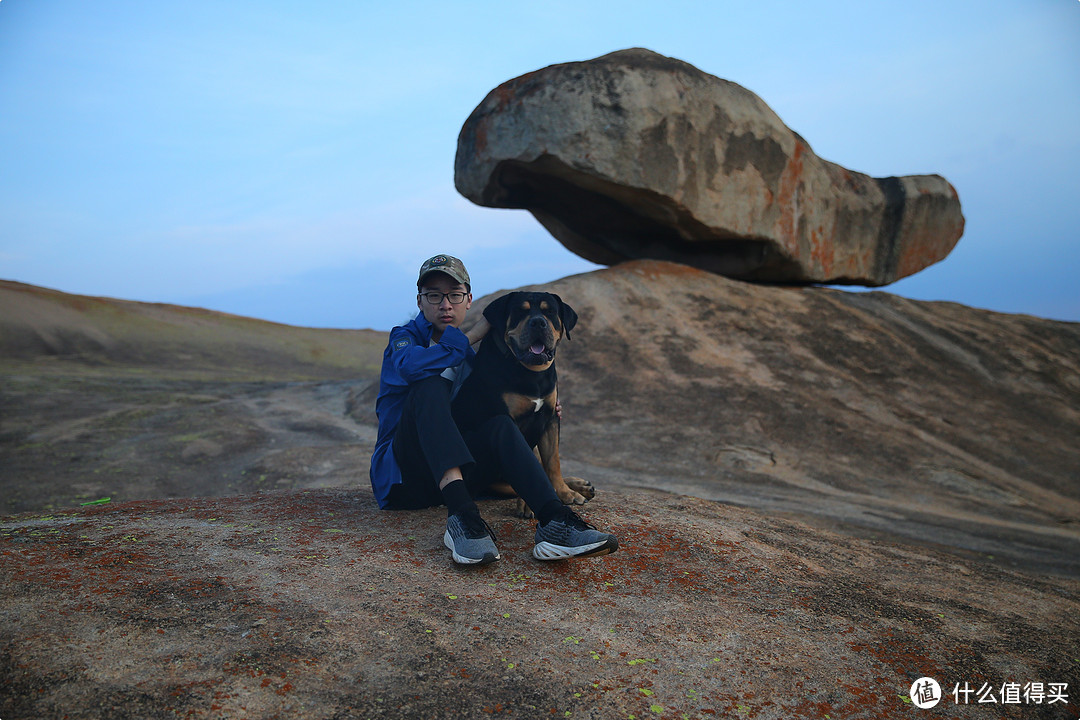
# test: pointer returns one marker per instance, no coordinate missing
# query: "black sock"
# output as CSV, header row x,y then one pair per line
x,y
457,497
549,511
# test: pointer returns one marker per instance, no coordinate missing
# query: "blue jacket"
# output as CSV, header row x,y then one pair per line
x,y
407,359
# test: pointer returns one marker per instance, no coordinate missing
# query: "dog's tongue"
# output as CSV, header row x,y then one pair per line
x,y
537,349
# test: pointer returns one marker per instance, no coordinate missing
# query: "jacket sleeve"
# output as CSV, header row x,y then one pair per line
x,y
413,362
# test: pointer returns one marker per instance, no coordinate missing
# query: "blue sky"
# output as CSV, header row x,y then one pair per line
x,y
294,161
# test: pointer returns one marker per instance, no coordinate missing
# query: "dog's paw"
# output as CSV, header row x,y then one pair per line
x,y
584,488
523,510
572,497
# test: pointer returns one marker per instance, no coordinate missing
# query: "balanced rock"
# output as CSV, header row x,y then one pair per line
x,y
634,155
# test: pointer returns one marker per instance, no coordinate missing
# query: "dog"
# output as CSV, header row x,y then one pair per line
x,y
514,374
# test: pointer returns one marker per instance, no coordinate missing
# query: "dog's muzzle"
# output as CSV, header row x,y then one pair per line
x,y
538,345
536,354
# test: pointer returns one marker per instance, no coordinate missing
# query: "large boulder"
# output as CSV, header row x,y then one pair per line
x,y
636,155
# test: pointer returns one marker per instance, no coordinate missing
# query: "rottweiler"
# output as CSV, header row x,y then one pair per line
x,y
514,374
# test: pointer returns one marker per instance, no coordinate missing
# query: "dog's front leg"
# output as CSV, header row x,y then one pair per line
x,y
548,449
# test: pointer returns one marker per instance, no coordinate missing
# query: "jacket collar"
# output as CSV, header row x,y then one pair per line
x,y
423,327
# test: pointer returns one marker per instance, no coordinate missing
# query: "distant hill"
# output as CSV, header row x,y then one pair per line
x,y
46,328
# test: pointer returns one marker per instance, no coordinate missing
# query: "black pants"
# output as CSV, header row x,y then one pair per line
x,y
428,443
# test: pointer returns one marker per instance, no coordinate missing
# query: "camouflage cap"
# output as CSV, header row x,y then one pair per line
x,y
445,264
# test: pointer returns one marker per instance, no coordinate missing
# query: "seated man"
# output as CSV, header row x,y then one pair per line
x,y
421,459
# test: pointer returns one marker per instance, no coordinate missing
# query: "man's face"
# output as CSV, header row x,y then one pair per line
x,y
444,314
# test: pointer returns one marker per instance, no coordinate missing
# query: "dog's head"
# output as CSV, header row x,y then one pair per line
x,y
529,325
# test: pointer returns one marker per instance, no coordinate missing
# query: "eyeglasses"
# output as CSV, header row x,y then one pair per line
x,y
436,298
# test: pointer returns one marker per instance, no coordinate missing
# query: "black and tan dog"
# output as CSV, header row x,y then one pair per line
x,y
514,374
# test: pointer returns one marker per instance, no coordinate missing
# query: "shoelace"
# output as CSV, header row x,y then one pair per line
x,y
571,518
476,526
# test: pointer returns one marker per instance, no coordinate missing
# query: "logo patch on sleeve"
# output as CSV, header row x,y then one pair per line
x,y
402,343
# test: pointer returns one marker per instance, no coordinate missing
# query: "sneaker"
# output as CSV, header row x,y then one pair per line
x,y
567,536
470,539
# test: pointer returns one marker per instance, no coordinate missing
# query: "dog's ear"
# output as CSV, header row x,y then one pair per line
x,y
497,311
566,315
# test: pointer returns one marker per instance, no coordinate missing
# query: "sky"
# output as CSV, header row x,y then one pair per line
x,y
293,161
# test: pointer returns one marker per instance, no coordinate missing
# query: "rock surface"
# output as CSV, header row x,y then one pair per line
x,y
886,489
636,155
102,398
932,421
315,604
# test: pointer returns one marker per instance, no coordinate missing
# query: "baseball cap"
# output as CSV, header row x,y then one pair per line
x,y
445,264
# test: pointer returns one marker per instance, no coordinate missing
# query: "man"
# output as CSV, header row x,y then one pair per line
x,y
422,459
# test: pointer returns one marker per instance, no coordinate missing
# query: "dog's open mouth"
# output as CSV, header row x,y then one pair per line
x,y
537,354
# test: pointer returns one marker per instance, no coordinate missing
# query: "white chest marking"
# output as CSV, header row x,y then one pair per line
x,y
539,404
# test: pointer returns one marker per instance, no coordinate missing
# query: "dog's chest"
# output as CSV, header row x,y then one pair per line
x,y
533,416
523,405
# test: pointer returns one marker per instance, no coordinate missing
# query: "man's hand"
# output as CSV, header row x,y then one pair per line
x,y
478,331
558,409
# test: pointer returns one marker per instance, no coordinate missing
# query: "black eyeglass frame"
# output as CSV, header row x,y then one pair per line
x,y
428,295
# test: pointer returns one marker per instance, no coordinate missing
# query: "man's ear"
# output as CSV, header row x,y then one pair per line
x,y
566,315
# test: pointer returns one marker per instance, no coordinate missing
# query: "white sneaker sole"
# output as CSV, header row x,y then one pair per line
x,y
461,559
549,551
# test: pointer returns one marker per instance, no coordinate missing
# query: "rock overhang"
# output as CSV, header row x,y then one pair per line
x,y
638,156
